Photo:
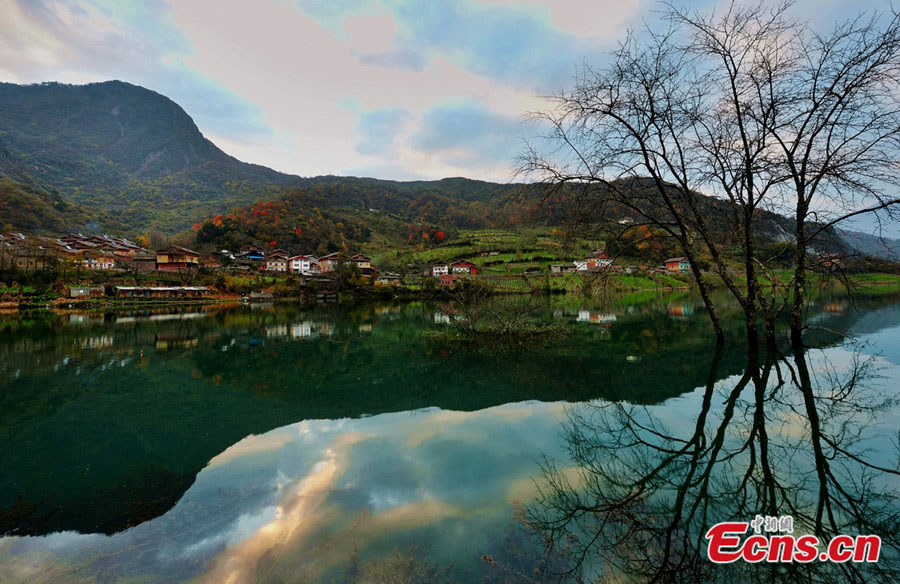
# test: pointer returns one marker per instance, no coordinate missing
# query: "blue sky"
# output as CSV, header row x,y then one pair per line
x,y
388,88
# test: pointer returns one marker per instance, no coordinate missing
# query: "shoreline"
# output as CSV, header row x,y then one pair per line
x,y
96,304
864,284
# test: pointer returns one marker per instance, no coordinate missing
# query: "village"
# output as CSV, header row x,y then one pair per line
x,y
173,271
75,258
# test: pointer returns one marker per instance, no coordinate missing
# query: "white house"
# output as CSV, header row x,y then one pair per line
x,y
464,267
439,270
302,263
277,261
277,264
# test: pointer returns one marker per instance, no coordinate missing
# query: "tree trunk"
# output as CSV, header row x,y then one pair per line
x,y
799,287
707,300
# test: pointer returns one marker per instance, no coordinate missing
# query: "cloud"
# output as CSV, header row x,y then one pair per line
x,y
270,81
603,20
400,55
333,15
516,44
377,130
469,132
509,43
304,77
79,42
453,137
213,107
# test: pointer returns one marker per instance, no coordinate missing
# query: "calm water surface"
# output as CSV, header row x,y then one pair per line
x,y
291,444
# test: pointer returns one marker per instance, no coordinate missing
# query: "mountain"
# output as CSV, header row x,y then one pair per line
x,y
32,210
330,213
133,152
872,245
11,169
115,154
122,148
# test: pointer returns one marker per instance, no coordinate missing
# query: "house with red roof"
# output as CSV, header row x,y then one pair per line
x,y
463,267
597,259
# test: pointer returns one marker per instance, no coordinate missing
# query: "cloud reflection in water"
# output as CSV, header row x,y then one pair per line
x,y
298,500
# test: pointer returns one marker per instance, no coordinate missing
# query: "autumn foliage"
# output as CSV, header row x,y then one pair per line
x,y
286,224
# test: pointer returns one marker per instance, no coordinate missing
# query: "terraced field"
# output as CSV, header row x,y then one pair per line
x,y
503,258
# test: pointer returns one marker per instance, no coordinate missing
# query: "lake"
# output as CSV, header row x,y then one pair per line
x,y
332,443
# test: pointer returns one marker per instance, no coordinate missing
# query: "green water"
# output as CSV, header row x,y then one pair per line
x,y
175,445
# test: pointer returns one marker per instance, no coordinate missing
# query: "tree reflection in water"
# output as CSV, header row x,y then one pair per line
x,y
794,436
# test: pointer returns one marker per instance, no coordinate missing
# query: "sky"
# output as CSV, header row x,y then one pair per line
x,y
396,89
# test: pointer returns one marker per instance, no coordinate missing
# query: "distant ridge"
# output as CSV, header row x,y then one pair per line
x,y
868,244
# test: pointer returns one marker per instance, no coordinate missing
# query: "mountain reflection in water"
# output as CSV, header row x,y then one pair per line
x,y
114,416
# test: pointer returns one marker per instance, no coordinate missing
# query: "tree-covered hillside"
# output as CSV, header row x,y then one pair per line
x,y
129,150
333,213
28,209
123,148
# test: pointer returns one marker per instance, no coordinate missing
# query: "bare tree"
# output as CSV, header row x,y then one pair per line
x,y
187,273
134,268
478,316
7,261
749,106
